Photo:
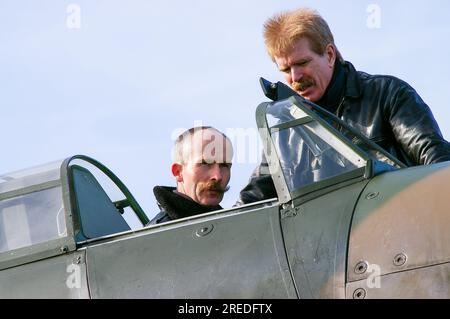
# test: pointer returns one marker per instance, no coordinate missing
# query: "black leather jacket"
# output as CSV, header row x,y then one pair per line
x,y
174,205
385,109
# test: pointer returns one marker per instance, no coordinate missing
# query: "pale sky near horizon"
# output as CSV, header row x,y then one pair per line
x,y
120,83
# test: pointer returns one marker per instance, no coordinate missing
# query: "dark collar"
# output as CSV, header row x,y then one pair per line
x,y
335,90
353,85
178,206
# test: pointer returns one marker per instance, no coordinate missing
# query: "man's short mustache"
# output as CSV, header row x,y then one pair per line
x,y
303,84
214,186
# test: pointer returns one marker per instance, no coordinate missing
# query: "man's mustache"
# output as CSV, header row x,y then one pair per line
x,y
214,186
303,84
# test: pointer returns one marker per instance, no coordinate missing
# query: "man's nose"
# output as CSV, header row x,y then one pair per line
x,y
215,172
296,73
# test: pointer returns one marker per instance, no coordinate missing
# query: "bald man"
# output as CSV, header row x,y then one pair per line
x,y
202,169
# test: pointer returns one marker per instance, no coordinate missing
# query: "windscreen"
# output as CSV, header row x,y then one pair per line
x,y
308,153
31,219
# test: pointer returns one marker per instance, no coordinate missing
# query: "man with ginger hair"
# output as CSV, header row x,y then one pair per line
x,y
202,169
384,108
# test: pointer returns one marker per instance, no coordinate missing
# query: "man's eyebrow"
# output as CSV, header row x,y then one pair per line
x,y
214,161
297,62
208,161
301,60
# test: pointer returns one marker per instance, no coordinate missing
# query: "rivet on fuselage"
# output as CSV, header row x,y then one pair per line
x,y
203,231
400,259
372,195
359,294
361,267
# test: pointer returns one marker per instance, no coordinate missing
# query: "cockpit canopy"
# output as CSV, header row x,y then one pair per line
x,y
31,207
307,148
49,209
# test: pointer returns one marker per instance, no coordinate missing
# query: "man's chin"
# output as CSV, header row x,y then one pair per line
x,y
305,93
212,200
308,94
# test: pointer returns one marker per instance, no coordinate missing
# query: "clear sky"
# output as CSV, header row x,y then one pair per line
x,y
115,80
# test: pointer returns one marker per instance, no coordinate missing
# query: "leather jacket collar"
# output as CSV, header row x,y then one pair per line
x,y
178,206
335,90
353,87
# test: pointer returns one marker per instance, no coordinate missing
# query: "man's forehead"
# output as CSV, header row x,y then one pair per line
x,y
300,48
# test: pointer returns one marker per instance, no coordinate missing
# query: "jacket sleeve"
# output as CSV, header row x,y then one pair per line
x,y
415,128
259,187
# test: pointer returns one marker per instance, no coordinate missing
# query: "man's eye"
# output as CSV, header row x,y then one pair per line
x,y
225,165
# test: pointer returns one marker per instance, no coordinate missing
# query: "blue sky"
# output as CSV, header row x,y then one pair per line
x,y
135,72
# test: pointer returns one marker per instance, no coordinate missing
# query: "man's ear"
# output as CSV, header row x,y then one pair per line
x,y
177,169
330,51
